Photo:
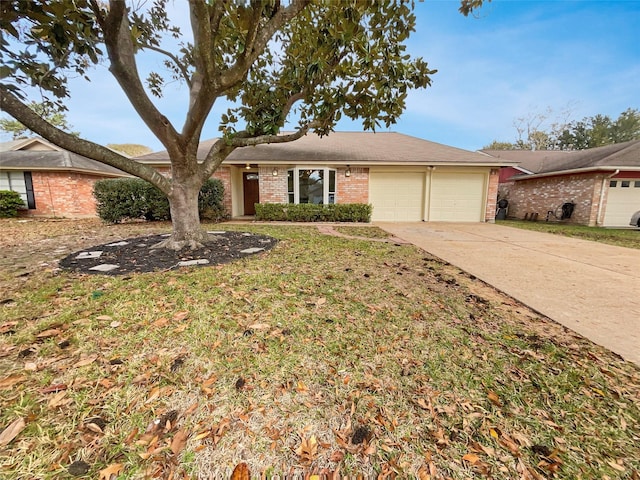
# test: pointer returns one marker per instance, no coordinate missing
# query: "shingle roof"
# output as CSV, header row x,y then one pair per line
x,y
12,157
54,160
354,148
619,155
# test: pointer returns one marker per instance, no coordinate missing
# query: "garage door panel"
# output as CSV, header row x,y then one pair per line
x,y
457,197
397,196
622,201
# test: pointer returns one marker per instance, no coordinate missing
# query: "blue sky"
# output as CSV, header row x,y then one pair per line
x,y
512,59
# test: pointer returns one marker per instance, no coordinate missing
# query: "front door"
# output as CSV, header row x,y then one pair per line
x,y
251,192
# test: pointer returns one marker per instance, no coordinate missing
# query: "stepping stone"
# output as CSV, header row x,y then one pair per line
x,y
189,263
222,232
105,267
252,250
85,255
118,244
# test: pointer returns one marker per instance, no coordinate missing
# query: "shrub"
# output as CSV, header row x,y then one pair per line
x,y
210,201
10,203
310,212
133,198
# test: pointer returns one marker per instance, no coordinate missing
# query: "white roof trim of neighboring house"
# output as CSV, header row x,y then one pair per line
x,y
18,168
30,141
574,171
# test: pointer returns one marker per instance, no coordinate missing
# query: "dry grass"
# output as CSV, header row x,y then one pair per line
x,y
324,354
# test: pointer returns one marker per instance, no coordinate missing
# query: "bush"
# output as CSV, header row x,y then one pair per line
x,y
10,203
133,198
210,201
310,212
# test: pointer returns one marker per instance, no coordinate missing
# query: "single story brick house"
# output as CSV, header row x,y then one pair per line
x,y
403,177
51,181
602,182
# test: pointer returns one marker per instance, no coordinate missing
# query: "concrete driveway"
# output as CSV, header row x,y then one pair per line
x,y
591,288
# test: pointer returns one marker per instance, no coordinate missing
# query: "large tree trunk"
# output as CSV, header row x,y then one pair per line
x,y
185,219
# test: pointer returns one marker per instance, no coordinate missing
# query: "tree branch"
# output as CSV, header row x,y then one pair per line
x,y
175,59
117,36
21,112
261,39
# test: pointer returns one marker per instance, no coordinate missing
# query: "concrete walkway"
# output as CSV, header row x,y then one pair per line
x,y
591,288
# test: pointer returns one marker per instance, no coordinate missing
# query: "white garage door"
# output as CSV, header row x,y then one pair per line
x,y
623,200
457,197
397,196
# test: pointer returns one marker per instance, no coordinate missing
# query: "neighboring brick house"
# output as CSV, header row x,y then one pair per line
x,y
404,178
603,183
51,181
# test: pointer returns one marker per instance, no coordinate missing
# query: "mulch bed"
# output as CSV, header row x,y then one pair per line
x,y
134,255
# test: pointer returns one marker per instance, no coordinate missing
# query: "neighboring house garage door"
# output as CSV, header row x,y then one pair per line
x,y
623,200
457,197
397,196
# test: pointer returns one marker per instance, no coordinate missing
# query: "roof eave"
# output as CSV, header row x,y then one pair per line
x,y
574,171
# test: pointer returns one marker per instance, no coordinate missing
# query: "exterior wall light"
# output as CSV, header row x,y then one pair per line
x,y
274,172
347,172
248,167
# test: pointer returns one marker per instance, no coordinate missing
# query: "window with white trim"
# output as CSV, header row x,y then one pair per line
x,y
21,183
311,185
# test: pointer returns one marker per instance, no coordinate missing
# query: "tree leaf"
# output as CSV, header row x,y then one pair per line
x,y
112,471
241,472
12,431
179,441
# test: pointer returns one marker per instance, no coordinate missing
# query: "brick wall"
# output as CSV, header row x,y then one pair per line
x,y
540,195
352,189
64,194
224,175
273,189
492,195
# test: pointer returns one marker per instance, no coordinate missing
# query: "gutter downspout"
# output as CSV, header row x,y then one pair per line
x,y
604,180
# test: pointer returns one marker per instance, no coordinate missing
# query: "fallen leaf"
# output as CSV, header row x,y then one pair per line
x,y
54,388
241,472
321,301
52,332
115,324
112,470
259,326
12,431
11,380
179,316
179,441
308,449
58,399
493,398
86,361
472,458
104,318
161,322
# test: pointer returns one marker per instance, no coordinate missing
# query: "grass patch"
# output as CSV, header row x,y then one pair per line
x,y
629,237
325,353
364,232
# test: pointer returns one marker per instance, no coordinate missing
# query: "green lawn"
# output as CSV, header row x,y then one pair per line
x,y
324,354
628,237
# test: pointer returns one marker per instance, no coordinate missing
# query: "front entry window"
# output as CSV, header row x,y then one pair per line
x,y
312,185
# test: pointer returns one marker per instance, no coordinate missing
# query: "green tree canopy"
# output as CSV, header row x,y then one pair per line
x,y
590,132
49,112
268,57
